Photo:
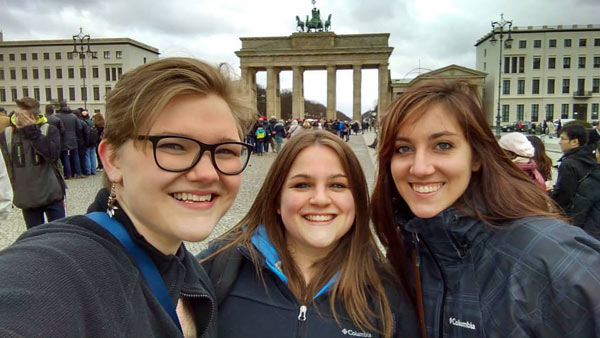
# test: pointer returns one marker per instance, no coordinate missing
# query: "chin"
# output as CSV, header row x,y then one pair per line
x,y
425,212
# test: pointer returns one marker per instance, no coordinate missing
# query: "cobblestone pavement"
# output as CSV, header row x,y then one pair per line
x,y
81,193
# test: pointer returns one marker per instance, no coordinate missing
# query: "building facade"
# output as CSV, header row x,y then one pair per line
x,y
548,73
48,72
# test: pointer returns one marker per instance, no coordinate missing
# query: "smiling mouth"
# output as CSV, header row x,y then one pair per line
x,y
426,188
319,218
191,198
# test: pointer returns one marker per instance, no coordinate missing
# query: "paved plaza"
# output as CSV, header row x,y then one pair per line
x,y
81,192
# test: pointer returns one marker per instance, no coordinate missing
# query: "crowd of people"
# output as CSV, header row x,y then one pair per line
x,y
475,246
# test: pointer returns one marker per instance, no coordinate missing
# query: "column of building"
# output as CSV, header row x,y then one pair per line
x,y
249,80
331,91
384,90
298,92
273,98
356,92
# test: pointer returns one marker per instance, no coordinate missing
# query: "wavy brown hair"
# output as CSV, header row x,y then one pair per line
x,y
542,160
356,256
497,192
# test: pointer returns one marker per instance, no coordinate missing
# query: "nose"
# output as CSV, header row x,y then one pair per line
x,y
422,164
320,196
204,170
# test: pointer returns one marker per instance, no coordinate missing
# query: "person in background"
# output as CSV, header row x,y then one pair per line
x,y
261,137
307,239
55,121
542,160
4,119
594,137
279,130
173,162
69,154
90,144
521,152
478,244
98,120
6,193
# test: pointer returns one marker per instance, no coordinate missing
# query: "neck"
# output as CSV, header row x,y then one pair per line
x,y
305,259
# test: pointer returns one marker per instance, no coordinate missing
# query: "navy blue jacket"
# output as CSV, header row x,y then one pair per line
x,y
253,309
534,277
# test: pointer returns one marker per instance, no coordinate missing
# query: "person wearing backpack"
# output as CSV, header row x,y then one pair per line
x,y
92,140
261,137
31,146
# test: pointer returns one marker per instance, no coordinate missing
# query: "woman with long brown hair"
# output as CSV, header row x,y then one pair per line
x,y
472,237
303,261
542,160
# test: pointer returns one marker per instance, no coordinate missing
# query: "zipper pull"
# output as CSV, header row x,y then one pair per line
x,y
302,315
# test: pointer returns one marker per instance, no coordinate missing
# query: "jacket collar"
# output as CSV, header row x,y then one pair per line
x,y
449,234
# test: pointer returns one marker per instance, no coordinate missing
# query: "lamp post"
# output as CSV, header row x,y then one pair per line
x,y
81,48
499,28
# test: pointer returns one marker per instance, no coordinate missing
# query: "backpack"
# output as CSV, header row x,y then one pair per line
x,y
94,136
260,133
584,211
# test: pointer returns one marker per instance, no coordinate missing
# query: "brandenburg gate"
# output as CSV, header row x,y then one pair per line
x,y
323,50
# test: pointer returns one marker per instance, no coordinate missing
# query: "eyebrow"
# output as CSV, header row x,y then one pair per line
x,y
431,137
222,139
307,176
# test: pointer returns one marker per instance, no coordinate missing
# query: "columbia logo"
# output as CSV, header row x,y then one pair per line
x,y
356,334
458,322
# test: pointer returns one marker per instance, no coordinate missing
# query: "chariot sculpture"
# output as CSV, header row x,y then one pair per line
x,y
314,23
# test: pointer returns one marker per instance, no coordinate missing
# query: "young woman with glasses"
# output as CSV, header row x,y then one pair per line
x,y
303,262
173,159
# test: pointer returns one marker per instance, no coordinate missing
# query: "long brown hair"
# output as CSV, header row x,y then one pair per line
x,y
542,160
356,256
498,191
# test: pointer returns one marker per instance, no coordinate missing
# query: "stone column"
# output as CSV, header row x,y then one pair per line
x,y
384,90
331,92
298,92
273,101
249,80
357,77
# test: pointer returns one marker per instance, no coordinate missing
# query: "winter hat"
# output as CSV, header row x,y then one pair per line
x,y
518,144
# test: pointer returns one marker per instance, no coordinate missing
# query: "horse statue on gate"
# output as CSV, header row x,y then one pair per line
x,y
299,24
315,22
327,25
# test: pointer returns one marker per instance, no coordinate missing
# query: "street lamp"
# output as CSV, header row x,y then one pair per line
x,y
81,48
499,29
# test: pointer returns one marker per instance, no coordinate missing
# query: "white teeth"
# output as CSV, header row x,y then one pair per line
x,y
319,218
426,188
188,197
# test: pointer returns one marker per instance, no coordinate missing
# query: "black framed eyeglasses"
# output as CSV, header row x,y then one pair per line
x,y
180,153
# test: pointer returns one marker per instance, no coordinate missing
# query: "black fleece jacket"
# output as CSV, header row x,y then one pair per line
x,y
71,278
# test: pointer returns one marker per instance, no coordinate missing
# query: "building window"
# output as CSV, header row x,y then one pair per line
x,y
60,95
516,64
107,54
36,73
596,85
536,62
506,87
47,73
552,43
537,43
596,61
13,74
551,62
36,93
23,56
595,111
550,86
82,73
107,90
25,92
71,73
484,65
535,112
565,86
24,73
596,42
2,95
13,94
582,42
567,62
58,56
95,72
11,57
581,62
1,74
506,65
119,54
71,93
567,43
84,93
520,112
484,52
46,56
522,43
564,111
48,94
521,64
59,73
70,55
535,86
144,60
549,111
107,71
96,93
505,112
520,86
34,56
2,57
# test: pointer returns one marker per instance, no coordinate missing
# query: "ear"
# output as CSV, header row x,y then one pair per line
x,y
110,161
475,163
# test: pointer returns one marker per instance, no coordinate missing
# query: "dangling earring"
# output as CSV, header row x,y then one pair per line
x,y
112,201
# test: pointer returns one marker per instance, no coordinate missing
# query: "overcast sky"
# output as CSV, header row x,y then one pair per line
x,y
424,33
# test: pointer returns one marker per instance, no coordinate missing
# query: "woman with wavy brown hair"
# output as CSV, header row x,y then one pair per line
x,y
472,237
307,238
